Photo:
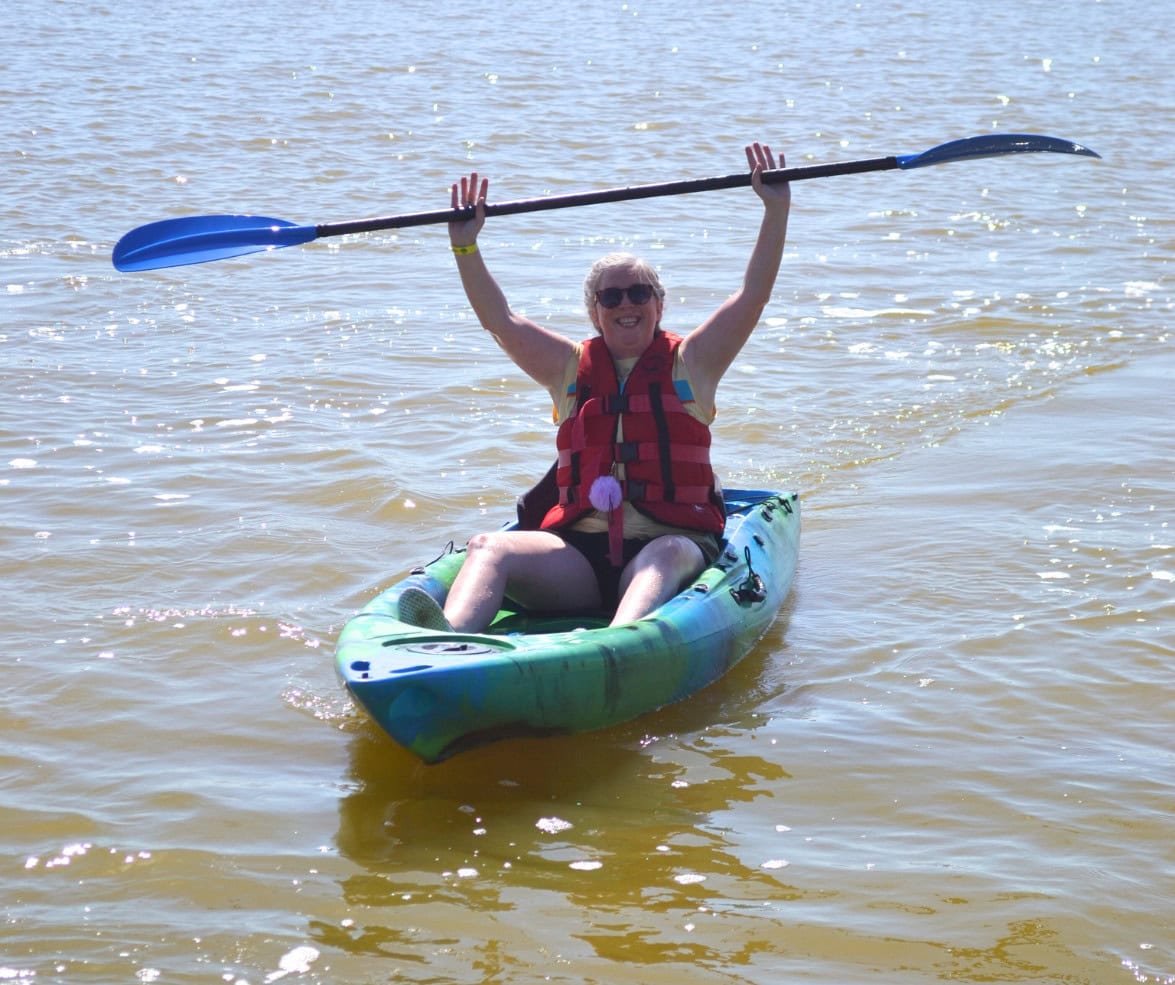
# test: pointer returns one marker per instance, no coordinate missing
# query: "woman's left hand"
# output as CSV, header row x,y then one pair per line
x,y
776,194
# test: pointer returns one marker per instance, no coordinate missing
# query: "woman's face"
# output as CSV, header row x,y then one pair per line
x,y
627,327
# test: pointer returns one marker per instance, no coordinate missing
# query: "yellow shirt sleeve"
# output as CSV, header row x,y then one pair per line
x,y
564,398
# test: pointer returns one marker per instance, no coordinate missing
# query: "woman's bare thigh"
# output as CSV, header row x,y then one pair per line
x,y
544,572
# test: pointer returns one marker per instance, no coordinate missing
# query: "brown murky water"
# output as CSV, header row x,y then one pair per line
x,y
951,759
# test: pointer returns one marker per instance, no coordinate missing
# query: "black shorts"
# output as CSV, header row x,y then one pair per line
x,y
594,547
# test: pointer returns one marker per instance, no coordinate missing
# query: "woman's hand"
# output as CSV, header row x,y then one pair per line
x,y
468,194
776,194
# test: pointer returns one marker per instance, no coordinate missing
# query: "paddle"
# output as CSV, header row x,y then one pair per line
x,y
196,239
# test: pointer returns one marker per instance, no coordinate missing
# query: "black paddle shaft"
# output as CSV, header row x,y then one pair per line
x,y
607,195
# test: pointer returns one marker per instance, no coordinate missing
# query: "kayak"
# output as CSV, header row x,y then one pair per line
x,y
437,692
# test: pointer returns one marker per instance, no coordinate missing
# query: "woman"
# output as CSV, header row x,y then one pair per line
x,y
636,518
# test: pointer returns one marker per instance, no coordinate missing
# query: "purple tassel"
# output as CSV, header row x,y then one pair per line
x,y
606,495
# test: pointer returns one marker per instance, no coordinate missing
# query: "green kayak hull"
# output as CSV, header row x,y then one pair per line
x,y
534,674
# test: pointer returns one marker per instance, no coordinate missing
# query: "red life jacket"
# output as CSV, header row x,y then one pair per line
x,y
665,451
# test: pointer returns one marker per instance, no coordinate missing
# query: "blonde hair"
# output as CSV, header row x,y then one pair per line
x,y
643,269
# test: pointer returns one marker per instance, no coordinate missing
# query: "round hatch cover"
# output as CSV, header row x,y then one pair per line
x,y
452,648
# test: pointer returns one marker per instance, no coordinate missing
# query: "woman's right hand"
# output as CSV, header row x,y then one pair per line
x,y
466,194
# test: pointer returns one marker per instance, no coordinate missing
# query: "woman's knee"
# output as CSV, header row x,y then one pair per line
x,y
484,544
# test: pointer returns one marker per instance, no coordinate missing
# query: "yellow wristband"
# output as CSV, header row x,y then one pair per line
x,y
464,251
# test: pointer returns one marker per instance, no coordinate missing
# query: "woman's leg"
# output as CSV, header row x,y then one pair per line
x,y
536,568
656,574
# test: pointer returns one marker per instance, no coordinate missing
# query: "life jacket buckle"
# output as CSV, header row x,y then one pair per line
x,y
626,451
635,489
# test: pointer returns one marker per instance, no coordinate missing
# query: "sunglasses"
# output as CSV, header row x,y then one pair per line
x,y
612,297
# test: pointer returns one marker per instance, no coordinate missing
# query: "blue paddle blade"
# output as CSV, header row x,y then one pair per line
x,y
198,239
992,145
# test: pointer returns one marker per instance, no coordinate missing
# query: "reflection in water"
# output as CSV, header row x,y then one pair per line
x,y
612,850
613,832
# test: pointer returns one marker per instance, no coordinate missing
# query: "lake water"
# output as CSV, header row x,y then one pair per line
x,y
952,757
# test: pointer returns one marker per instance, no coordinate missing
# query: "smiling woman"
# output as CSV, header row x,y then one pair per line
x,y
639,510
624,296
